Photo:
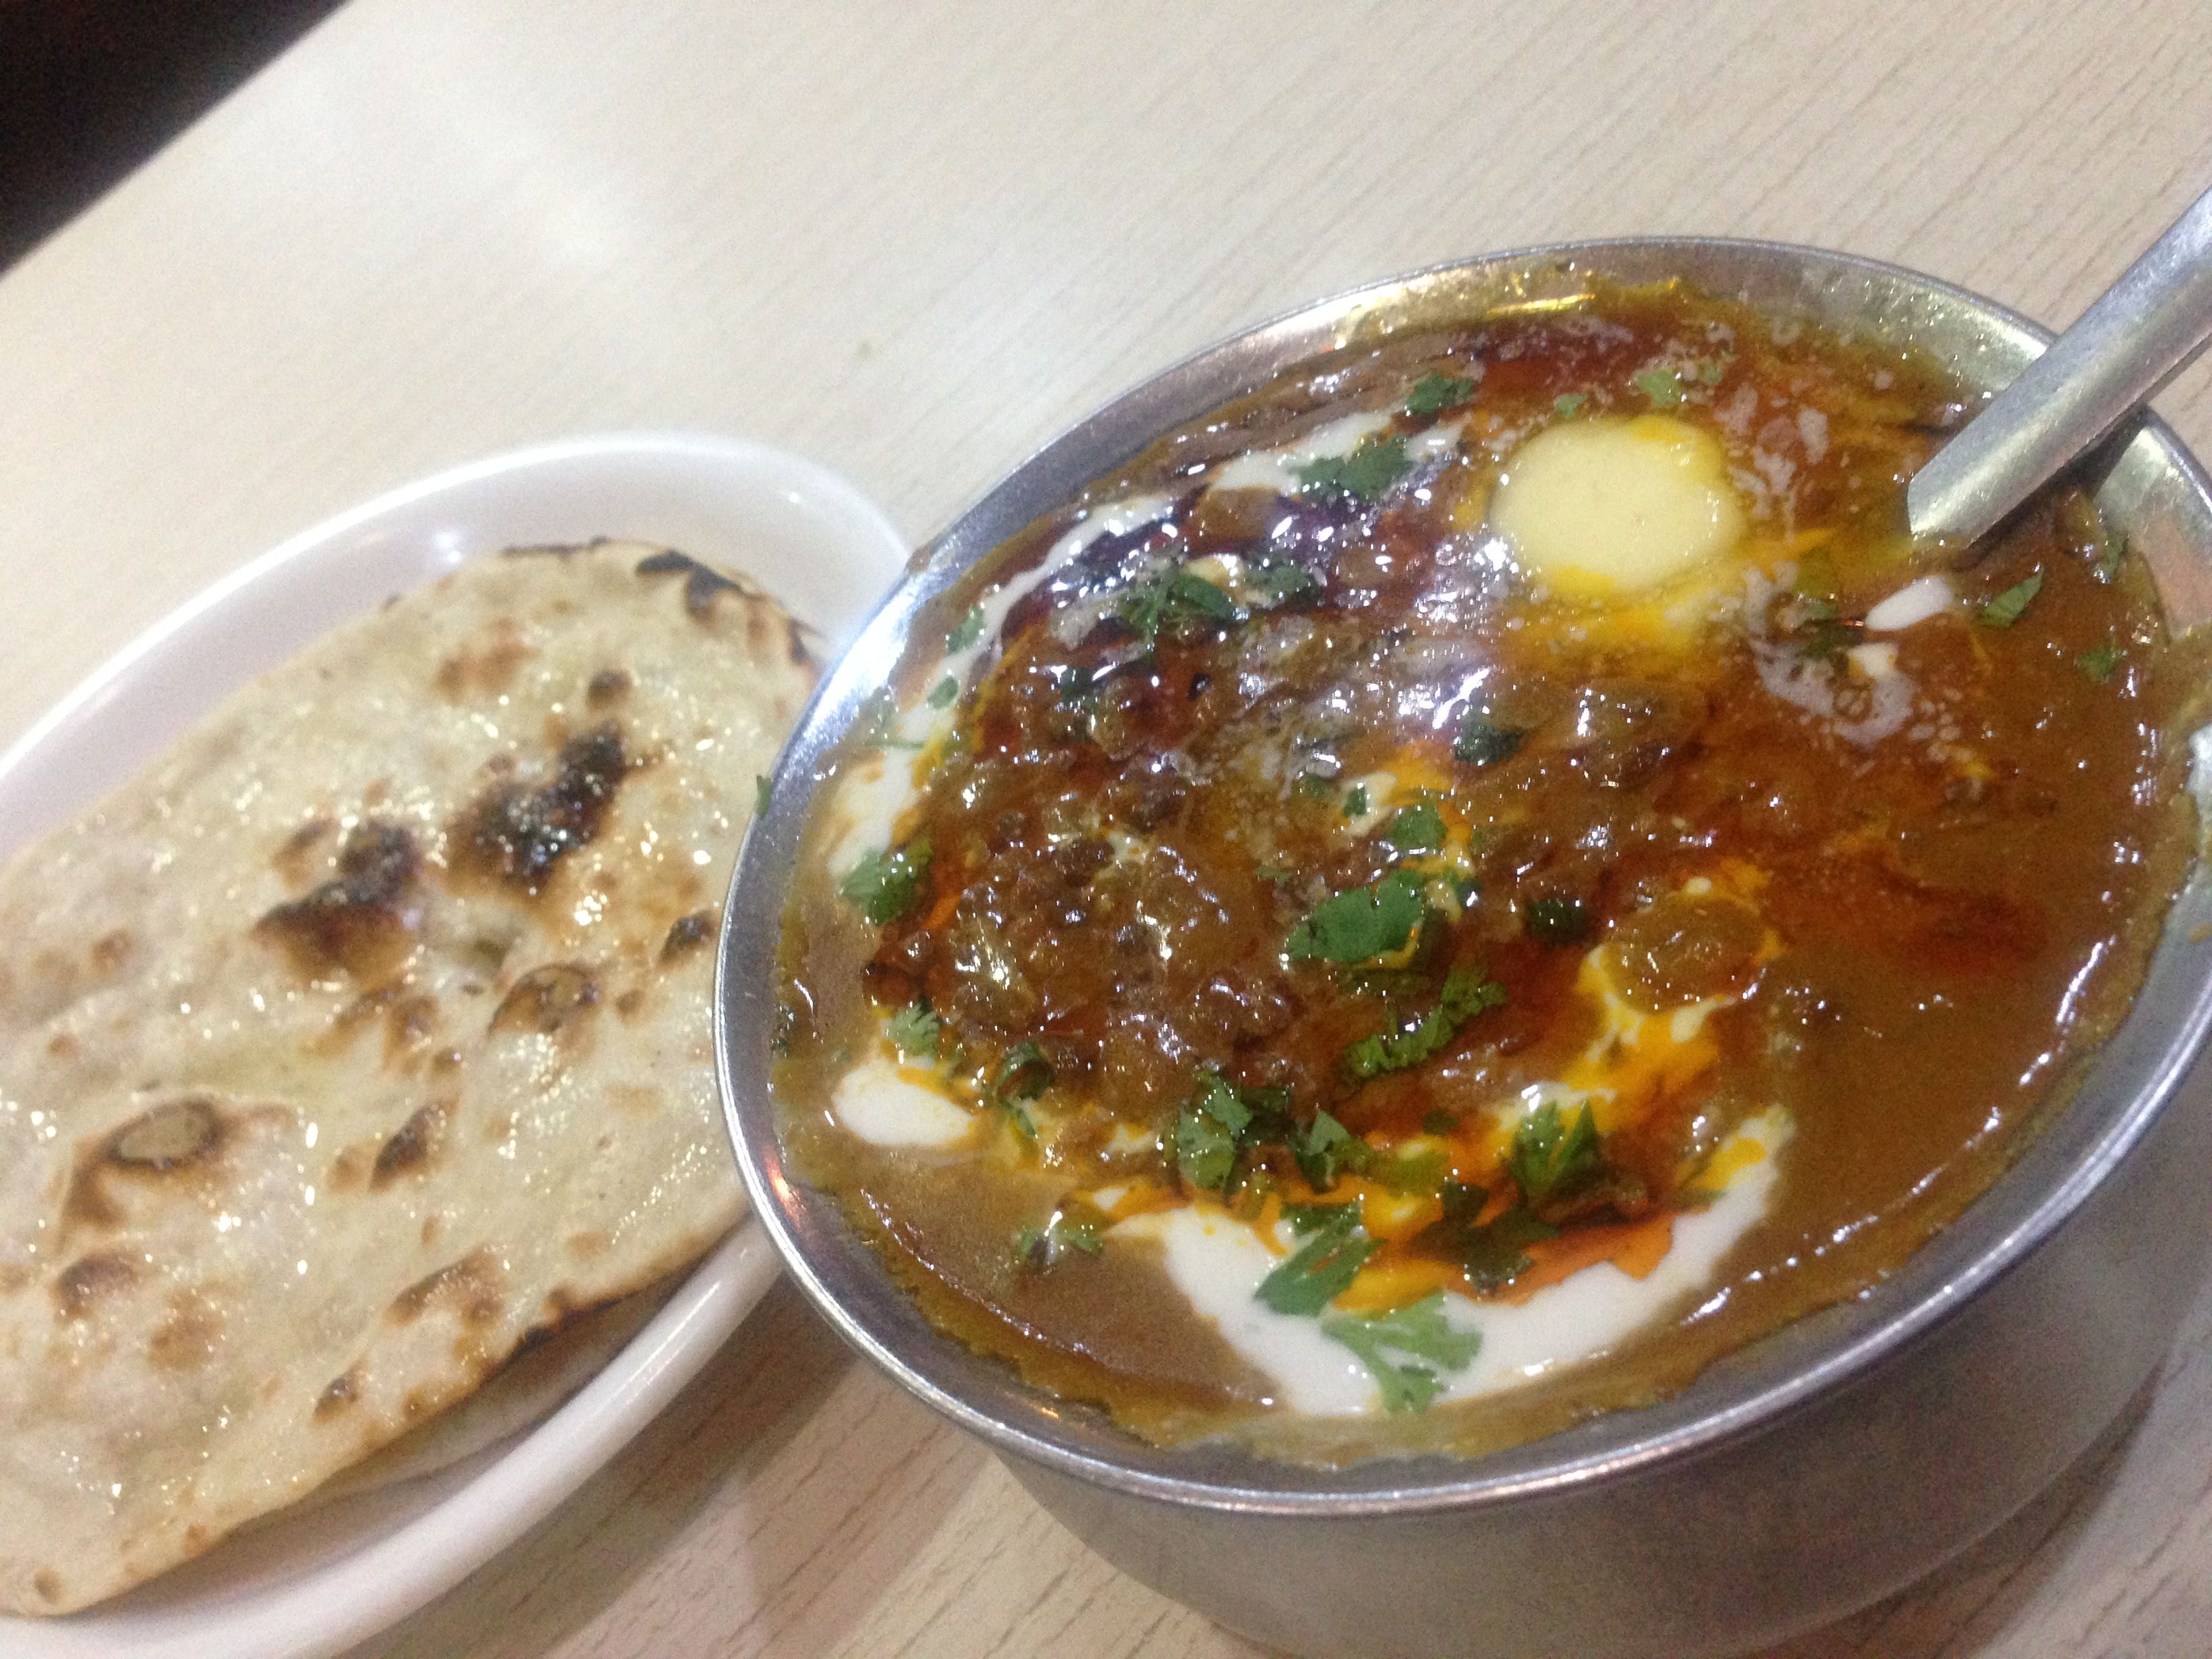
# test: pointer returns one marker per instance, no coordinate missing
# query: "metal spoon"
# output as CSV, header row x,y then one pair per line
x,y
2139,334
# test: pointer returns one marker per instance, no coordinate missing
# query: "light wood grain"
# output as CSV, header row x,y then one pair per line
x,y
914,239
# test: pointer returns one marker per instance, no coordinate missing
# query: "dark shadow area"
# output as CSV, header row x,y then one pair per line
x,y
89,88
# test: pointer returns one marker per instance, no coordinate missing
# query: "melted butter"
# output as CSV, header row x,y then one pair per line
x,y
1604,510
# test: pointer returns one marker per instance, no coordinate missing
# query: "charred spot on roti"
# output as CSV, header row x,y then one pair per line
x,y
171,1136
546,999
410,1018
408,1022
47,1583
519,836
445,1060
608,686
585,1245
359,920
702,584
484,669
553,549
339,1392
168,1136
62,1046
413,1146
349,1169
91,1279
470,1289
433,1228
687,933
290,858
187,1339
489,951
475,1359
627,1003
109,950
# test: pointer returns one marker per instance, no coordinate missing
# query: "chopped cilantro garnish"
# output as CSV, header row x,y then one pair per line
x,y
1822,637
1481,743
1023,1074
1362,476
1323,1147
1210,1131
885,885
2100,664
1465,994
966,631
1306,1218
1662,386
1280,582
1439,1121
1173,602
1205,1152
1492,1253
1040,1249
1218,1097
1406,1348
2112,552
1204,1149
1550,1158
1359,924
1355,801
762,793
1434,394
1416,829
1709,372
1554,920
1319,1270
1314,784
914,1030
1568,405
942,694
2008,606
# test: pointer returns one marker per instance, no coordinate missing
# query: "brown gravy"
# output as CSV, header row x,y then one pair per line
x,y
1278,843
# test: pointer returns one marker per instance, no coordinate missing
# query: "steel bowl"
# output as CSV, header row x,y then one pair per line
x,y
1798,1479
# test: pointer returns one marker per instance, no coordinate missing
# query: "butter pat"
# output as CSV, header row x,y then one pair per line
x,y
1607,510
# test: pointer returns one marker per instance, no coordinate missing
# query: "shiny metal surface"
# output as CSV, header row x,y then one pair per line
x,y
2139,334
1796,1480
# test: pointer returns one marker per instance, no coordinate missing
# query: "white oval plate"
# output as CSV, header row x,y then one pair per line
x,y
340,1572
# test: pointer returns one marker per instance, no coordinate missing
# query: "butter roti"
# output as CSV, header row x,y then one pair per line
x,y
364,1039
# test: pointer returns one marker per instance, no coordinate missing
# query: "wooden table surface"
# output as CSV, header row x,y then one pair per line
x,y
913,240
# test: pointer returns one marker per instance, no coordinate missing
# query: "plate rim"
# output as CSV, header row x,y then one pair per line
x,y
363,1587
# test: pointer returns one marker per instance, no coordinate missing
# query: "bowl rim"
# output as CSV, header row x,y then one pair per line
x,y
2084,1139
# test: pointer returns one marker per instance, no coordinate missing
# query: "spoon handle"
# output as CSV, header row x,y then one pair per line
x,y
2141,332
